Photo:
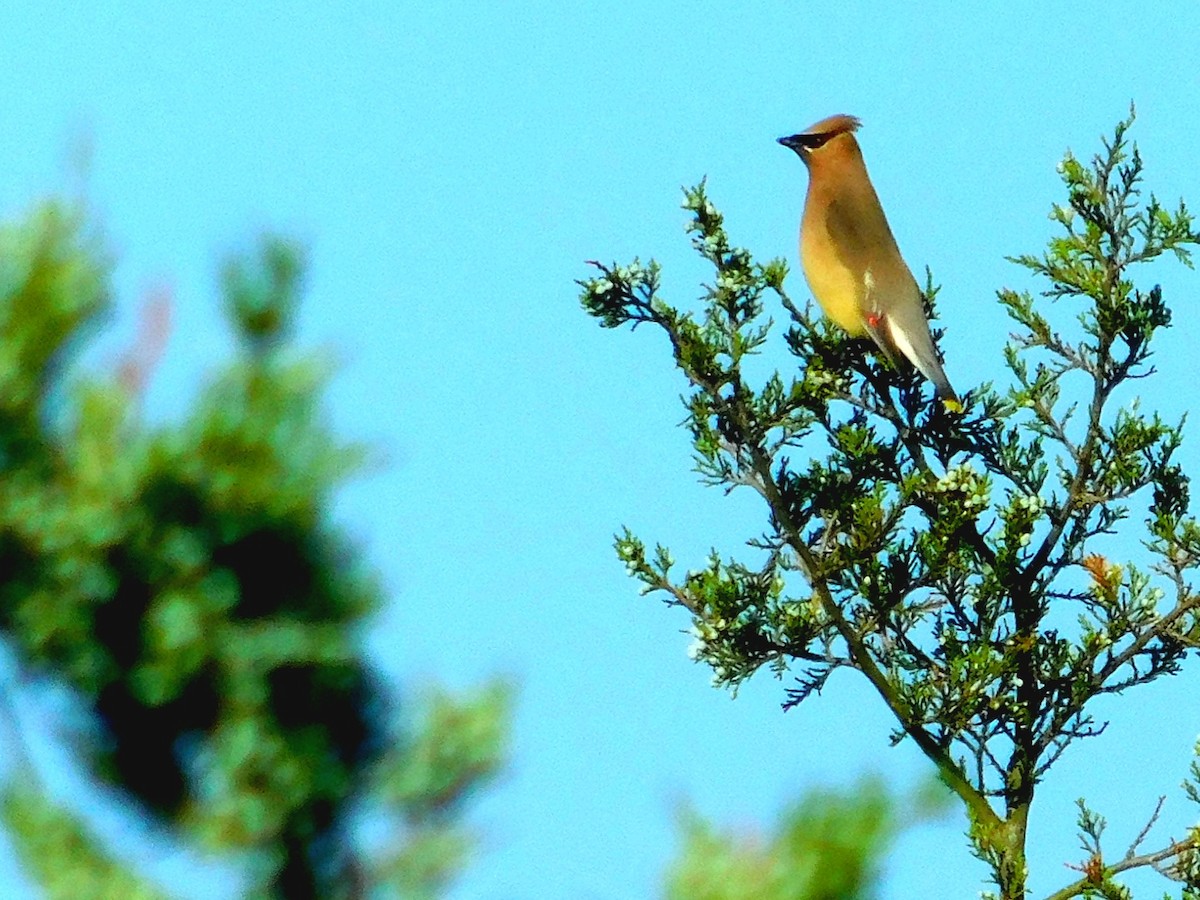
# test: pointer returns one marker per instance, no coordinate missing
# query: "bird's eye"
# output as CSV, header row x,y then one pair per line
x,y
815,141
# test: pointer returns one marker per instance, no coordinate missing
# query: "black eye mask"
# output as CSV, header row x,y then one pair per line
x,y
808,142
813,141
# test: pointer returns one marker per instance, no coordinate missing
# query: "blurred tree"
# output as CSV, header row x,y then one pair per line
x,y
960,563
831,845
189,585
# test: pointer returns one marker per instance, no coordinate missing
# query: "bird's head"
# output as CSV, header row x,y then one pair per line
x,y
825,137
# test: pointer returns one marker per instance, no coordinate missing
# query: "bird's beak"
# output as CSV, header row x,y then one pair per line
x,y
794,142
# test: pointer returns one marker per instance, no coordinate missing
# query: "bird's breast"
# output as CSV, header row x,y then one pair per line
x,y
835,285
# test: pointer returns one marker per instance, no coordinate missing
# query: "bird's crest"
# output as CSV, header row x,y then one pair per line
x,y
839,124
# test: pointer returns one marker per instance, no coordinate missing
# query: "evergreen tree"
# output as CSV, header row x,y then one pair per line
x,y
188,583
953,560
830,845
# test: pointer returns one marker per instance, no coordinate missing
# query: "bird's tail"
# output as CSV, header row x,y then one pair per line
x,y
916,343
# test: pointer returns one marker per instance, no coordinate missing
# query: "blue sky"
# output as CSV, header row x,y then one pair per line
x,y
452,166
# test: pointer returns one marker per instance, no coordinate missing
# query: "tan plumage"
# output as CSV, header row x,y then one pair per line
x,y
850,257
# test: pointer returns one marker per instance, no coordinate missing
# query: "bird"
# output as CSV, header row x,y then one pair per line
x,y
850,258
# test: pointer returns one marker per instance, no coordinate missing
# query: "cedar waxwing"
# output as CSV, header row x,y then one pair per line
x,y
849,256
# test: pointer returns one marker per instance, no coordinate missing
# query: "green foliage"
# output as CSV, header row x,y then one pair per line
x,y
943,556
460,743
261,292
53,282
60,853
187,581
829,846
